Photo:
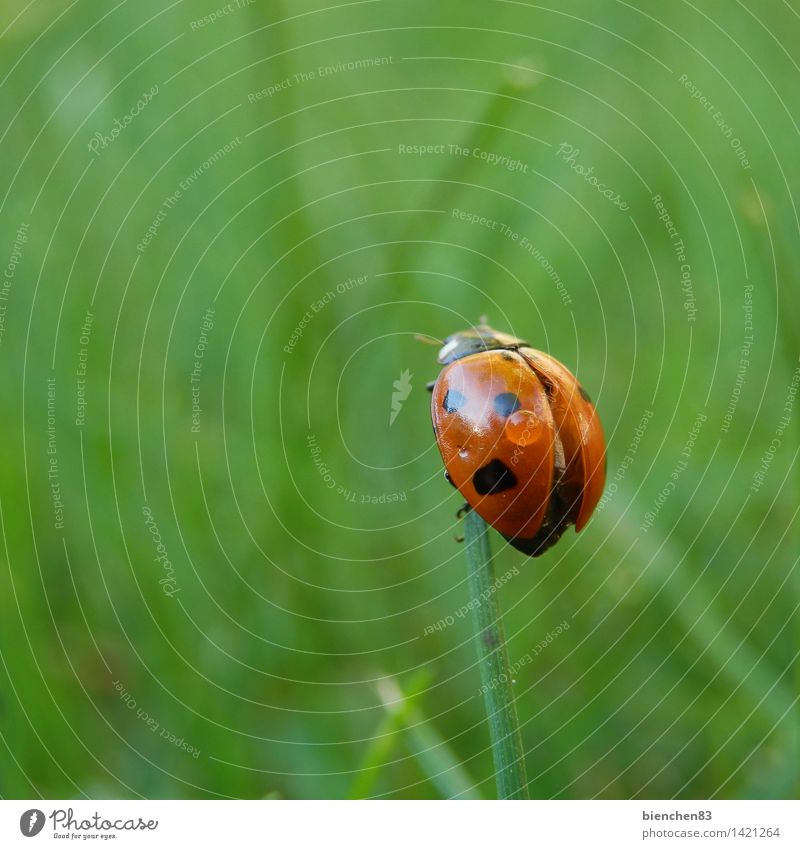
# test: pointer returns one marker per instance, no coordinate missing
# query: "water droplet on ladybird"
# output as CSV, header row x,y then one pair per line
x,y
523,428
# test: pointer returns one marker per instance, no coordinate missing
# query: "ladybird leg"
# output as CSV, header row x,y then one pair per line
x,y
458,538
429,386
462,511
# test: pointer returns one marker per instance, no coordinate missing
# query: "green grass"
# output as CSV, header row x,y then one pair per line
x,y
678,675
497,676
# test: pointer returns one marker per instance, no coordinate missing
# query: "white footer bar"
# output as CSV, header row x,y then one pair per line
x,y
405,825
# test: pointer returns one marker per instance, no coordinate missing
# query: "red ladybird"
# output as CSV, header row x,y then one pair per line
x,y
519,436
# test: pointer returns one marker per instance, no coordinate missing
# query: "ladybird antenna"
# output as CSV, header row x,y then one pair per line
x,y
428,340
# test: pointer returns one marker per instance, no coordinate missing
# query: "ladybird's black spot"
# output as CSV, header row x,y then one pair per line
x,y
448,478
494,477
453,401
584,394
506,403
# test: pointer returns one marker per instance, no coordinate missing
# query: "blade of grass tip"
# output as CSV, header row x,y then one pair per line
x,y
386,734
507,751
430,749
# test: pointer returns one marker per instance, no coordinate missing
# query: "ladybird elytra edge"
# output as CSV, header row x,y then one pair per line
x,y
519,436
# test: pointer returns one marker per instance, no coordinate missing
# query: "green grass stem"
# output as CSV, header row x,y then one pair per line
x,y
507,751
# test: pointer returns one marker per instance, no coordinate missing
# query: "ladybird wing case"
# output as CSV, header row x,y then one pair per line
x,y
522,442
497,437
581,434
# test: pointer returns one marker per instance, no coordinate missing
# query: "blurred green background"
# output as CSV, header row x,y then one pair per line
x,y
159,164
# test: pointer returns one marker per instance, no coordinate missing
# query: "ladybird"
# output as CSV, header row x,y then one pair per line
x,y
519,436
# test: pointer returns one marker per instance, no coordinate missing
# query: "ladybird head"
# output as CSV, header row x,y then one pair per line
x,y
474,340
